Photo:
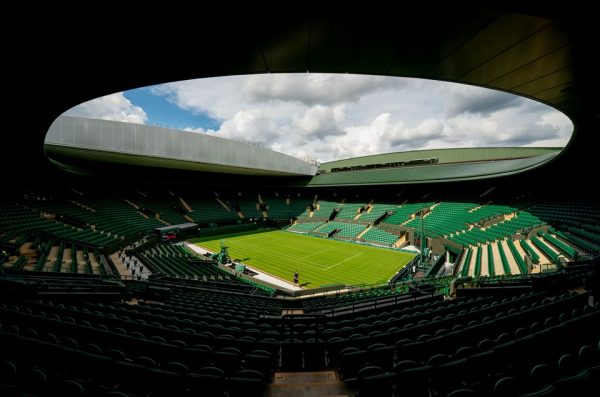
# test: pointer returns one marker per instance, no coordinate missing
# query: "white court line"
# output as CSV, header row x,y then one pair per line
x,y
315,253
345,260
291,257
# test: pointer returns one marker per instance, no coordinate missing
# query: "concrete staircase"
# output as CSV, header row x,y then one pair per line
x,y
307,384
185,205
364,231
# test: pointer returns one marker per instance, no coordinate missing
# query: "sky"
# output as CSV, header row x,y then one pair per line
x,y
327,117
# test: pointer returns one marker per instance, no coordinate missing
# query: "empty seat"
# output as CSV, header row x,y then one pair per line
x,y
506,387
374,381
35,381
247,383
69,388
8,373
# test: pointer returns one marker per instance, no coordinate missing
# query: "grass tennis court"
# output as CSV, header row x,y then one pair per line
x,y
318,261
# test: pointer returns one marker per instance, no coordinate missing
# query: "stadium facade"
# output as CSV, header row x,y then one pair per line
x,y
126,143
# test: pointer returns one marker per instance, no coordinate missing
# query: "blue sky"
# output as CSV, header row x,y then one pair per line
x,y
163,112
332,116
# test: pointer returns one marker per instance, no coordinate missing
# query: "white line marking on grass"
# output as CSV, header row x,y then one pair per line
x,y
345,260
315,253
291,257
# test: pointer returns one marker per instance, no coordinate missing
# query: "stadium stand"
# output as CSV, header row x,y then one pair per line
x,y
380,236
285,207
193,323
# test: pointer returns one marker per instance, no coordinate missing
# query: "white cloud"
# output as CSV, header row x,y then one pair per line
x,y
315,89
320,121
113,107
339,116
250,126
475,100
198,130
366,139
559,121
